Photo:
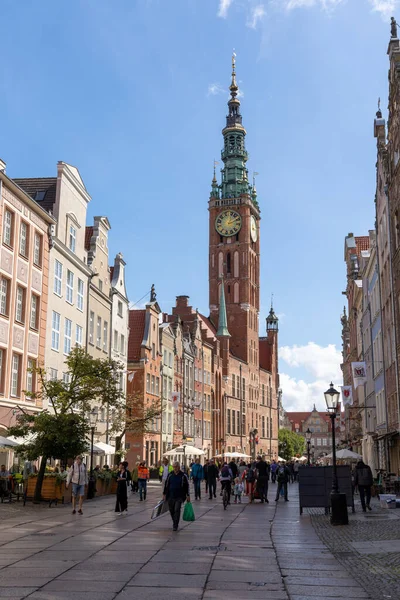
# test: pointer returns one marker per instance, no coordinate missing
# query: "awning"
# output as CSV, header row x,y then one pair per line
x,y
7,442
107,448
186,450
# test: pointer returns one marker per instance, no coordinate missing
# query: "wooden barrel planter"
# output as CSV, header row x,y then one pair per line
x,y
52,489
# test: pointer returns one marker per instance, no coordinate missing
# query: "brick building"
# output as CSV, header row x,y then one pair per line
x,y
320,424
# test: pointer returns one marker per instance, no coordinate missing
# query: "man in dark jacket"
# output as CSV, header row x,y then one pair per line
x,y
283,476
262,478
212,476
234,468
364,480
176,491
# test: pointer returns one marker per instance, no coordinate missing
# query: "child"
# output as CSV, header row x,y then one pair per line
x,y
238,490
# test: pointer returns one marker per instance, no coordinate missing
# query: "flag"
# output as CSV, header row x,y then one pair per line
x,y
175,399
131,376
359,373
347,395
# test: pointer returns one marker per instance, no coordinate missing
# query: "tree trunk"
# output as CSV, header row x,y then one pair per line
x,y
38,489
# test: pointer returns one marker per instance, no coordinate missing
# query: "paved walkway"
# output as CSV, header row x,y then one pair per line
x,y
248,551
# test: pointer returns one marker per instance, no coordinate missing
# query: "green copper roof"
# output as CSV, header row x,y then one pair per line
x,y
222,321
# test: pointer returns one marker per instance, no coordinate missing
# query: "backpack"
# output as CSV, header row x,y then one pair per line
x,y
225,472
281,474
250,475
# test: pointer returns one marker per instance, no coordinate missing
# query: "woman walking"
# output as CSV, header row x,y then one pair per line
x,y
122,490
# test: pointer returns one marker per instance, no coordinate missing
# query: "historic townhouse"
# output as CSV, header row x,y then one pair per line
x,y
26,238
66,198
168,347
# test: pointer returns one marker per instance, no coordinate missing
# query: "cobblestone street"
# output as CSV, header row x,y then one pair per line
x,y
249,551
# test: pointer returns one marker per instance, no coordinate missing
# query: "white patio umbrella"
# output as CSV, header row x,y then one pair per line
x,y
6,442
185,450
236,455
107,448
342,454
280,459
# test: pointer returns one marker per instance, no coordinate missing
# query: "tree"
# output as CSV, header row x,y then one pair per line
x,y
61,430
290,444
135,418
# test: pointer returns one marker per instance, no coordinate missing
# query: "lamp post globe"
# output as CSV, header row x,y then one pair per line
x,y
93,416
339,514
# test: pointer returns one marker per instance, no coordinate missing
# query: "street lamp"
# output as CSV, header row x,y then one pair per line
x,y
93,415
308,438
339,514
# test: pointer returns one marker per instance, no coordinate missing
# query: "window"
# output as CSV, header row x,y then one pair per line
x,y
15,374
170,360
31,376
2,368
157,386
4,296
8,228
70,287
79,295
233,384
263,395
228,425
153,351
100,285
20,305
91,328
119,308
115,340
122,344
58,269
24,239
148,382
243,389
79,335
37,249
238,422
165,357
53,374
263,426
66,378
98,334
67,336
72,238
33,319
169,423
105,336
233,423
152,384
324,442
319,442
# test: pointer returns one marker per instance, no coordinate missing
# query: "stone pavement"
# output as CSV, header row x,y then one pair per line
x,y
248,551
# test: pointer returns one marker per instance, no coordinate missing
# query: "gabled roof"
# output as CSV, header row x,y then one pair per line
x,y
41,189
297,418
137,319
208,323
362,243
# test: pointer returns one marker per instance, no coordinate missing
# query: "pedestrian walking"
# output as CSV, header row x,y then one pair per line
x,y
77,474
234,468
283,476
212,476
250,478
226,478
205,474
296,468
143,477
164,470
121,504
263,470
364,480
238,490
176,491
274,468
135,477
197,477
242,468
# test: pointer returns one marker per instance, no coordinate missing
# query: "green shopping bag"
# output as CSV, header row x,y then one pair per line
x,y
188,512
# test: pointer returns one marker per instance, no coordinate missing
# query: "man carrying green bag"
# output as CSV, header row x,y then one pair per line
x,y
176,491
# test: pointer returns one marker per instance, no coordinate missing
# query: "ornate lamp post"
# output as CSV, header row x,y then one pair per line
x,y
93,415
308,438
339,514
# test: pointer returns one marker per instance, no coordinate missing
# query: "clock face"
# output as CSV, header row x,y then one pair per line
x,y
253,229
228,223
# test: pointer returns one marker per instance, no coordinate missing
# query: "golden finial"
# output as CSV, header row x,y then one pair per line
x,y
234,87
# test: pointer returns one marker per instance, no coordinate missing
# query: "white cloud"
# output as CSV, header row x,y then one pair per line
x,y
323,366
257,13
223,8
385,8
214,89
324,4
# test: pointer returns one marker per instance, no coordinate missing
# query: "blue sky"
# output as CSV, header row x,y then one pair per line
x,y
134,94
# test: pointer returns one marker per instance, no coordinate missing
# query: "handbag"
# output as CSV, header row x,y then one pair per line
x,y
159,509
188,512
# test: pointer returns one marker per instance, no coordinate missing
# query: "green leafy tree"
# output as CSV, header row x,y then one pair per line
x,y
290,444
61,430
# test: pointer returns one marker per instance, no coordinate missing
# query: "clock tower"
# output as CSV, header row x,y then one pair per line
x,y
234,259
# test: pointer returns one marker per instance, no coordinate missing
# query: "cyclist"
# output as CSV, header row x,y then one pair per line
x,y
226,479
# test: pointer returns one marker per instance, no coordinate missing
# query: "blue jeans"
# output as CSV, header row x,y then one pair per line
x,y
142,488
197,488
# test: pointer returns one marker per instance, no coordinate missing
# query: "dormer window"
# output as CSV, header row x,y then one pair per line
x,y
72,238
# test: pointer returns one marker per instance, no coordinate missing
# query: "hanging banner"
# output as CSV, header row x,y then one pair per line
x,y
347,395
175,399
359,373
131,375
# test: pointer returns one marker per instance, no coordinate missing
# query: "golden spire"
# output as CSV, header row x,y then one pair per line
x,y
234,86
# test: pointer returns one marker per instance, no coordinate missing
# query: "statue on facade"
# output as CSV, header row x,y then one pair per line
x,y
153,295
393,28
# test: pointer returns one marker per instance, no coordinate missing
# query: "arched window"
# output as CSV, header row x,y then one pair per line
x,y
236,264
228,263
236,293
220,264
